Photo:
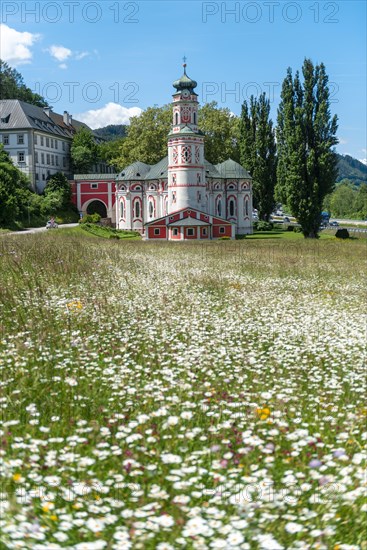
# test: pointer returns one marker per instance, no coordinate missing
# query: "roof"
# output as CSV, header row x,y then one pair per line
x,y
230,169
87,177
136,171
21,115
211,170
188,222
159,170
185,82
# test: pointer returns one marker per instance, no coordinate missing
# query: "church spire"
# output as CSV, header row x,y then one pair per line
x,y
185,82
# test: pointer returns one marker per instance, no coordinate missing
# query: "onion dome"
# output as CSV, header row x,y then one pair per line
x,y
185,82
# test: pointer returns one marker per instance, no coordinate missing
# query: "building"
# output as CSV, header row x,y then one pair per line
x,y
38,140
181,197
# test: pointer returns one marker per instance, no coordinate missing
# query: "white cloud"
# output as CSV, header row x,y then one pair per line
x,y
81,55
342,141
60,52
15,46
63,66
112,113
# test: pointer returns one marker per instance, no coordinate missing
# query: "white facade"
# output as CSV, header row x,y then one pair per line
x,y
38,140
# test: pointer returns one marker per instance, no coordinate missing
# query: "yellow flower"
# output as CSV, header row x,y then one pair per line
x,y
54,518
263,413
75,305
17,477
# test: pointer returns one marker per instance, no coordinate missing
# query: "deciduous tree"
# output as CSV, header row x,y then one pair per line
x,y
306,136
258,152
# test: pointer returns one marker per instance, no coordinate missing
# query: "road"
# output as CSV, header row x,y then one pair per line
x,y
34,230
343,223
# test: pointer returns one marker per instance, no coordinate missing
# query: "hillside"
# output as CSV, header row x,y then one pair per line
x,y
12,86
351,169
113,131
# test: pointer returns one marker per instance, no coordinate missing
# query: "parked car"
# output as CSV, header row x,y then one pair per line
x,y
333,224
286,219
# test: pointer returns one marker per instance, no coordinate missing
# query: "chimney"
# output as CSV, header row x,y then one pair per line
x,y
47,110
67,118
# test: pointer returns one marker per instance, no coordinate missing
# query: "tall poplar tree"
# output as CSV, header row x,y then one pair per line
x,y
306,136
258,152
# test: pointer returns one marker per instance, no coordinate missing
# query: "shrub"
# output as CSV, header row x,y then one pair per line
x,y
90,218
224,238
263,226
342,233
297,229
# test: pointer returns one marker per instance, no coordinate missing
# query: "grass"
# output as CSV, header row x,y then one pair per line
x,y
207,395
283,235
108,232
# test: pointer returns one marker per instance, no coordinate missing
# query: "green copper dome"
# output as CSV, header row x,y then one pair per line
x,y
184,83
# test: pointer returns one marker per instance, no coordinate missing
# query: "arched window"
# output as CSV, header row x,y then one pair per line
x,y
176,118
122,209
194,118
151,209
137,209
219,207
246,208
231,207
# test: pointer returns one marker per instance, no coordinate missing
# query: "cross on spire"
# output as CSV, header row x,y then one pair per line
x,y
184,59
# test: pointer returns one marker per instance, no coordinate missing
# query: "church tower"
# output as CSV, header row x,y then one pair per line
x,y
186,170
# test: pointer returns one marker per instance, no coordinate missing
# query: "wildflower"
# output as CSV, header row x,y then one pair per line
x,y
293,528
263,413
75,305
315,463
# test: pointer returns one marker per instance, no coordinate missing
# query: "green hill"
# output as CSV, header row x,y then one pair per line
x,y
112,131
351,169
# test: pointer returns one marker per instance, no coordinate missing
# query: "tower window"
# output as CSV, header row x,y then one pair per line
x,y
186,154
194,118
176,119
122,209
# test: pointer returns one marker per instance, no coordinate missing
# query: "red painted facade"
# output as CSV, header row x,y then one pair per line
x,y
85,191
177,227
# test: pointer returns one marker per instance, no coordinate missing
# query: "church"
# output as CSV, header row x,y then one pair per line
x,y
183,196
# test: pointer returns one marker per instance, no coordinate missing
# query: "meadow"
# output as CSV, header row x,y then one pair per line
x,y
182,396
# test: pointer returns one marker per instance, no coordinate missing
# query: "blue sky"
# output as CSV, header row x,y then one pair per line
x,y
104,61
